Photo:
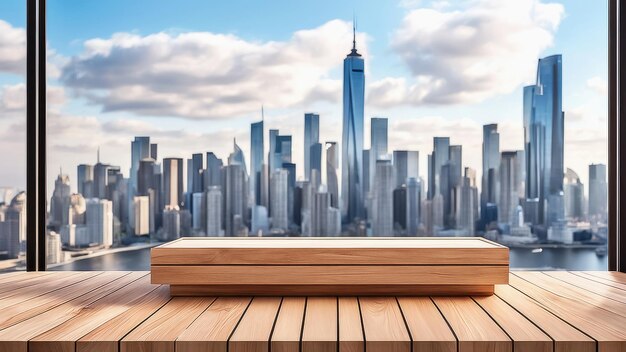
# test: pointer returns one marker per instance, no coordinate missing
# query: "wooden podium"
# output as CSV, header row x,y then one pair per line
x,y
330,266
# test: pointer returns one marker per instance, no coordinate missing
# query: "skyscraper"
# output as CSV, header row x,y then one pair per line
x,y
194,174
99,220
60,202
212,173
279,199
173,182
141,217
352,137
440,157
491,164
574,196
235,193
199,214
598,192
315,162
256,160
378,145
311,137
412,206
320,213
466,203
214,211
382,212
406,165
84,176
509,183
139,150
332,164
544,136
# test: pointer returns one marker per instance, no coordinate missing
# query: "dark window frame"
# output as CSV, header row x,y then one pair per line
x,y
36,136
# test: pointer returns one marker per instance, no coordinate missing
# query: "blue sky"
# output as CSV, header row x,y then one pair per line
x,y
107,113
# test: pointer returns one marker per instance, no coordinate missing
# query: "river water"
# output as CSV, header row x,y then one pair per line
x,y
521,258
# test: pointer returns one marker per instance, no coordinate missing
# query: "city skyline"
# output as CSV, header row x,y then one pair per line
x,y
78,126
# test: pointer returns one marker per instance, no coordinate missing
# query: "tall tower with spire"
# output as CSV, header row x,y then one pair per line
x,y
352,206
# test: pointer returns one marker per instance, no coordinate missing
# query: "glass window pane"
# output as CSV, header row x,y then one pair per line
x,y
12,135
429,118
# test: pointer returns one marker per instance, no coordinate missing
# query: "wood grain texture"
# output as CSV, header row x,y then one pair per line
x,y
23,294
383,324
427,327
615,294
566,338
600,279
159,332
113,311
21,311
474,329
18,282
572,291
288,327
16,337
525,335
62,338
610,275
255,327
330,251
329,290
106,337
319,333
210,332
606,327
329,275
350,325
17,276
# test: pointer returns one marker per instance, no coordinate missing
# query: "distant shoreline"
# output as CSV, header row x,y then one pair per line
x,y
133,247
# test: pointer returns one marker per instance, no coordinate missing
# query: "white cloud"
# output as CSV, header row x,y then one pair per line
x,y
598,85
467,55
12,49
201,75
13,100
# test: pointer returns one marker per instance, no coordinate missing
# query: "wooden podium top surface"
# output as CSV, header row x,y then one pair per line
x,y
330,250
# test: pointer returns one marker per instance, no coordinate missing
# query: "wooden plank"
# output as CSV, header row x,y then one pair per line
x,y
350,326
606,327
330,251
16,337
23,294
330,275
255,328
566,338
159,332
474,329
37,305
16,282
106,337
329,290
610,275
319,333
600,280
14,276
210,332
573,292
288,328
427,327
383,324
63,337
589,285
525,335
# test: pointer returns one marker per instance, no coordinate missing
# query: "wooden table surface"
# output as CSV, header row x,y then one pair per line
x,y
123,311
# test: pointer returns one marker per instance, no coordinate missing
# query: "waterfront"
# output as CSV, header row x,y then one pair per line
x,y
521,258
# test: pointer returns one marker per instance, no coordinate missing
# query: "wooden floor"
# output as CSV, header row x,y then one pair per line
x,y
122,311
